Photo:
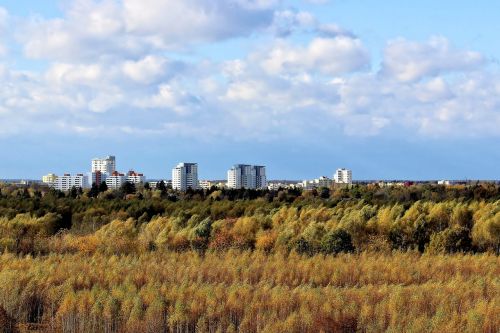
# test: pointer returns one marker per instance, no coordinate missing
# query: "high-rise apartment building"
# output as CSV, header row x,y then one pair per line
x,y
343,176
105,165
97,177
247,176
116,179
67,182
260,177
185,176
241,176
135,178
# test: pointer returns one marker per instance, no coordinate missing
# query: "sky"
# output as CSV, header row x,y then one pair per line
x,y
304,87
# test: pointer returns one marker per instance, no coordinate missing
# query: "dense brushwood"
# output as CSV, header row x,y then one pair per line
x,y
253,292
360,259
449,226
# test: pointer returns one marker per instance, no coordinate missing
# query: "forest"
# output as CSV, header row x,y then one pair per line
x,y
363,258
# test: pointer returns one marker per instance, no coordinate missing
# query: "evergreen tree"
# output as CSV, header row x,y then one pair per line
x,y
73,193
103,187
161,186
128,188
94,191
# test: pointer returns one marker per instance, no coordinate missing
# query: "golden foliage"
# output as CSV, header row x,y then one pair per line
x,y
253,292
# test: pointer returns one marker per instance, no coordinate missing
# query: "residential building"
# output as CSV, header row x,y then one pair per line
x,y
284,184
67,182
205,184
105,165
343,176
317,183
220,184
115,180
260,177
135,178
241,176
97,177
247,176
49,179
185,176
277,186
154,184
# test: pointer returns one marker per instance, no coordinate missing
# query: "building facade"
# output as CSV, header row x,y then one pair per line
x,y
260,177
240,176
67,182
317,183
135,178
105,165
97,177
166,182
205,184
247,176
49,179
185,176
115,180
343,176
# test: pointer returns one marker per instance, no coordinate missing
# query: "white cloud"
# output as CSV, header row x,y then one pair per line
x,y
179,22
110,62
62,73
332,30
147,70
106,100
287,21
89,30
329,56
238,99
173,98
92,29
411,61
4,18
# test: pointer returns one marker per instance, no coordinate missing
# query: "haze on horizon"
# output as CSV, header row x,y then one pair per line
x,y
303,87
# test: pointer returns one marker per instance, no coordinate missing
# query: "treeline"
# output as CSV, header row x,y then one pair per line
x,y
445,227
251,292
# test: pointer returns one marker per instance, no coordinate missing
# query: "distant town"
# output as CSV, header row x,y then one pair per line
x,y
185,176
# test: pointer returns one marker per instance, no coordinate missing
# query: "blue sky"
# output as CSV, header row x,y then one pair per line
x,y
304,87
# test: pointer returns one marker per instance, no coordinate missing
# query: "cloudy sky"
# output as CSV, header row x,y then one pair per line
x,y
302,86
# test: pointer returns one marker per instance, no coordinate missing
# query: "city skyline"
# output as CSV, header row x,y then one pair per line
x,y
391,91
238,176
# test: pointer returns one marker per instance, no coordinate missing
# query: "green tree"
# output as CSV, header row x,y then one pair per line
x,y
325,193
103,187
128,188
73,193
336,242
161,186
451,240
302,246
94,191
